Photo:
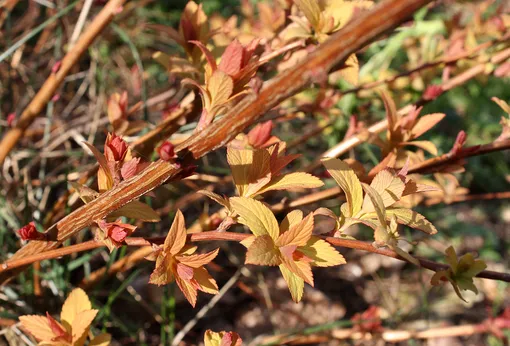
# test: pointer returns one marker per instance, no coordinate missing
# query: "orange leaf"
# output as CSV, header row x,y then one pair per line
x,y
298,234
425,123
196,261
176,238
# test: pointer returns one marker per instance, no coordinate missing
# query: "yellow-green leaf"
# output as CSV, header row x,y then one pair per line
x,y
377,203
136,210
263,251
256,216
412,219
348,182
425,145
86,193
311,10
215,197
295,283
322,253
387,185
291,219
102,339
104,177
295,180
220,87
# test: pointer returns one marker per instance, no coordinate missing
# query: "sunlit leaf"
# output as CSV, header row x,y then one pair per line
x,y
136,210
348,182
295,283
412,219
292,181
322,253
256,216
263,251
76,302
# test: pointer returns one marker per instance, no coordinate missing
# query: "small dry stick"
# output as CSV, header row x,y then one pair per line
x,y
51,85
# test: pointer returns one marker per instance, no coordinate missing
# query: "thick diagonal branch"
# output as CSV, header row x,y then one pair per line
x,y
355,35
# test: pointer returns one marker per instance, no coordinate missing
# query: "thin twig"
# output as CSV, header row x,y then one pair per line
x,y
214,300
237,237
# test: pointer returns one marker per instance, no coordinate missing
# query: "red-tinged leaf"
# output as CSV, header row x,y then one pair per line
x,y
260,134
263,251
459,143
232,58
115,148
288,250
56,66
249,50
10,119
58,330
222,339
432,92
425,123
29,232
198,260
38,326
184,272
130,168
207,53
176,238
116,231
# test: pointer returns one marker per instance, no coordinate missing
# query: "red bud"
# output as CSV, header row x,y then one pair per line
x,y
29,232
166,151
